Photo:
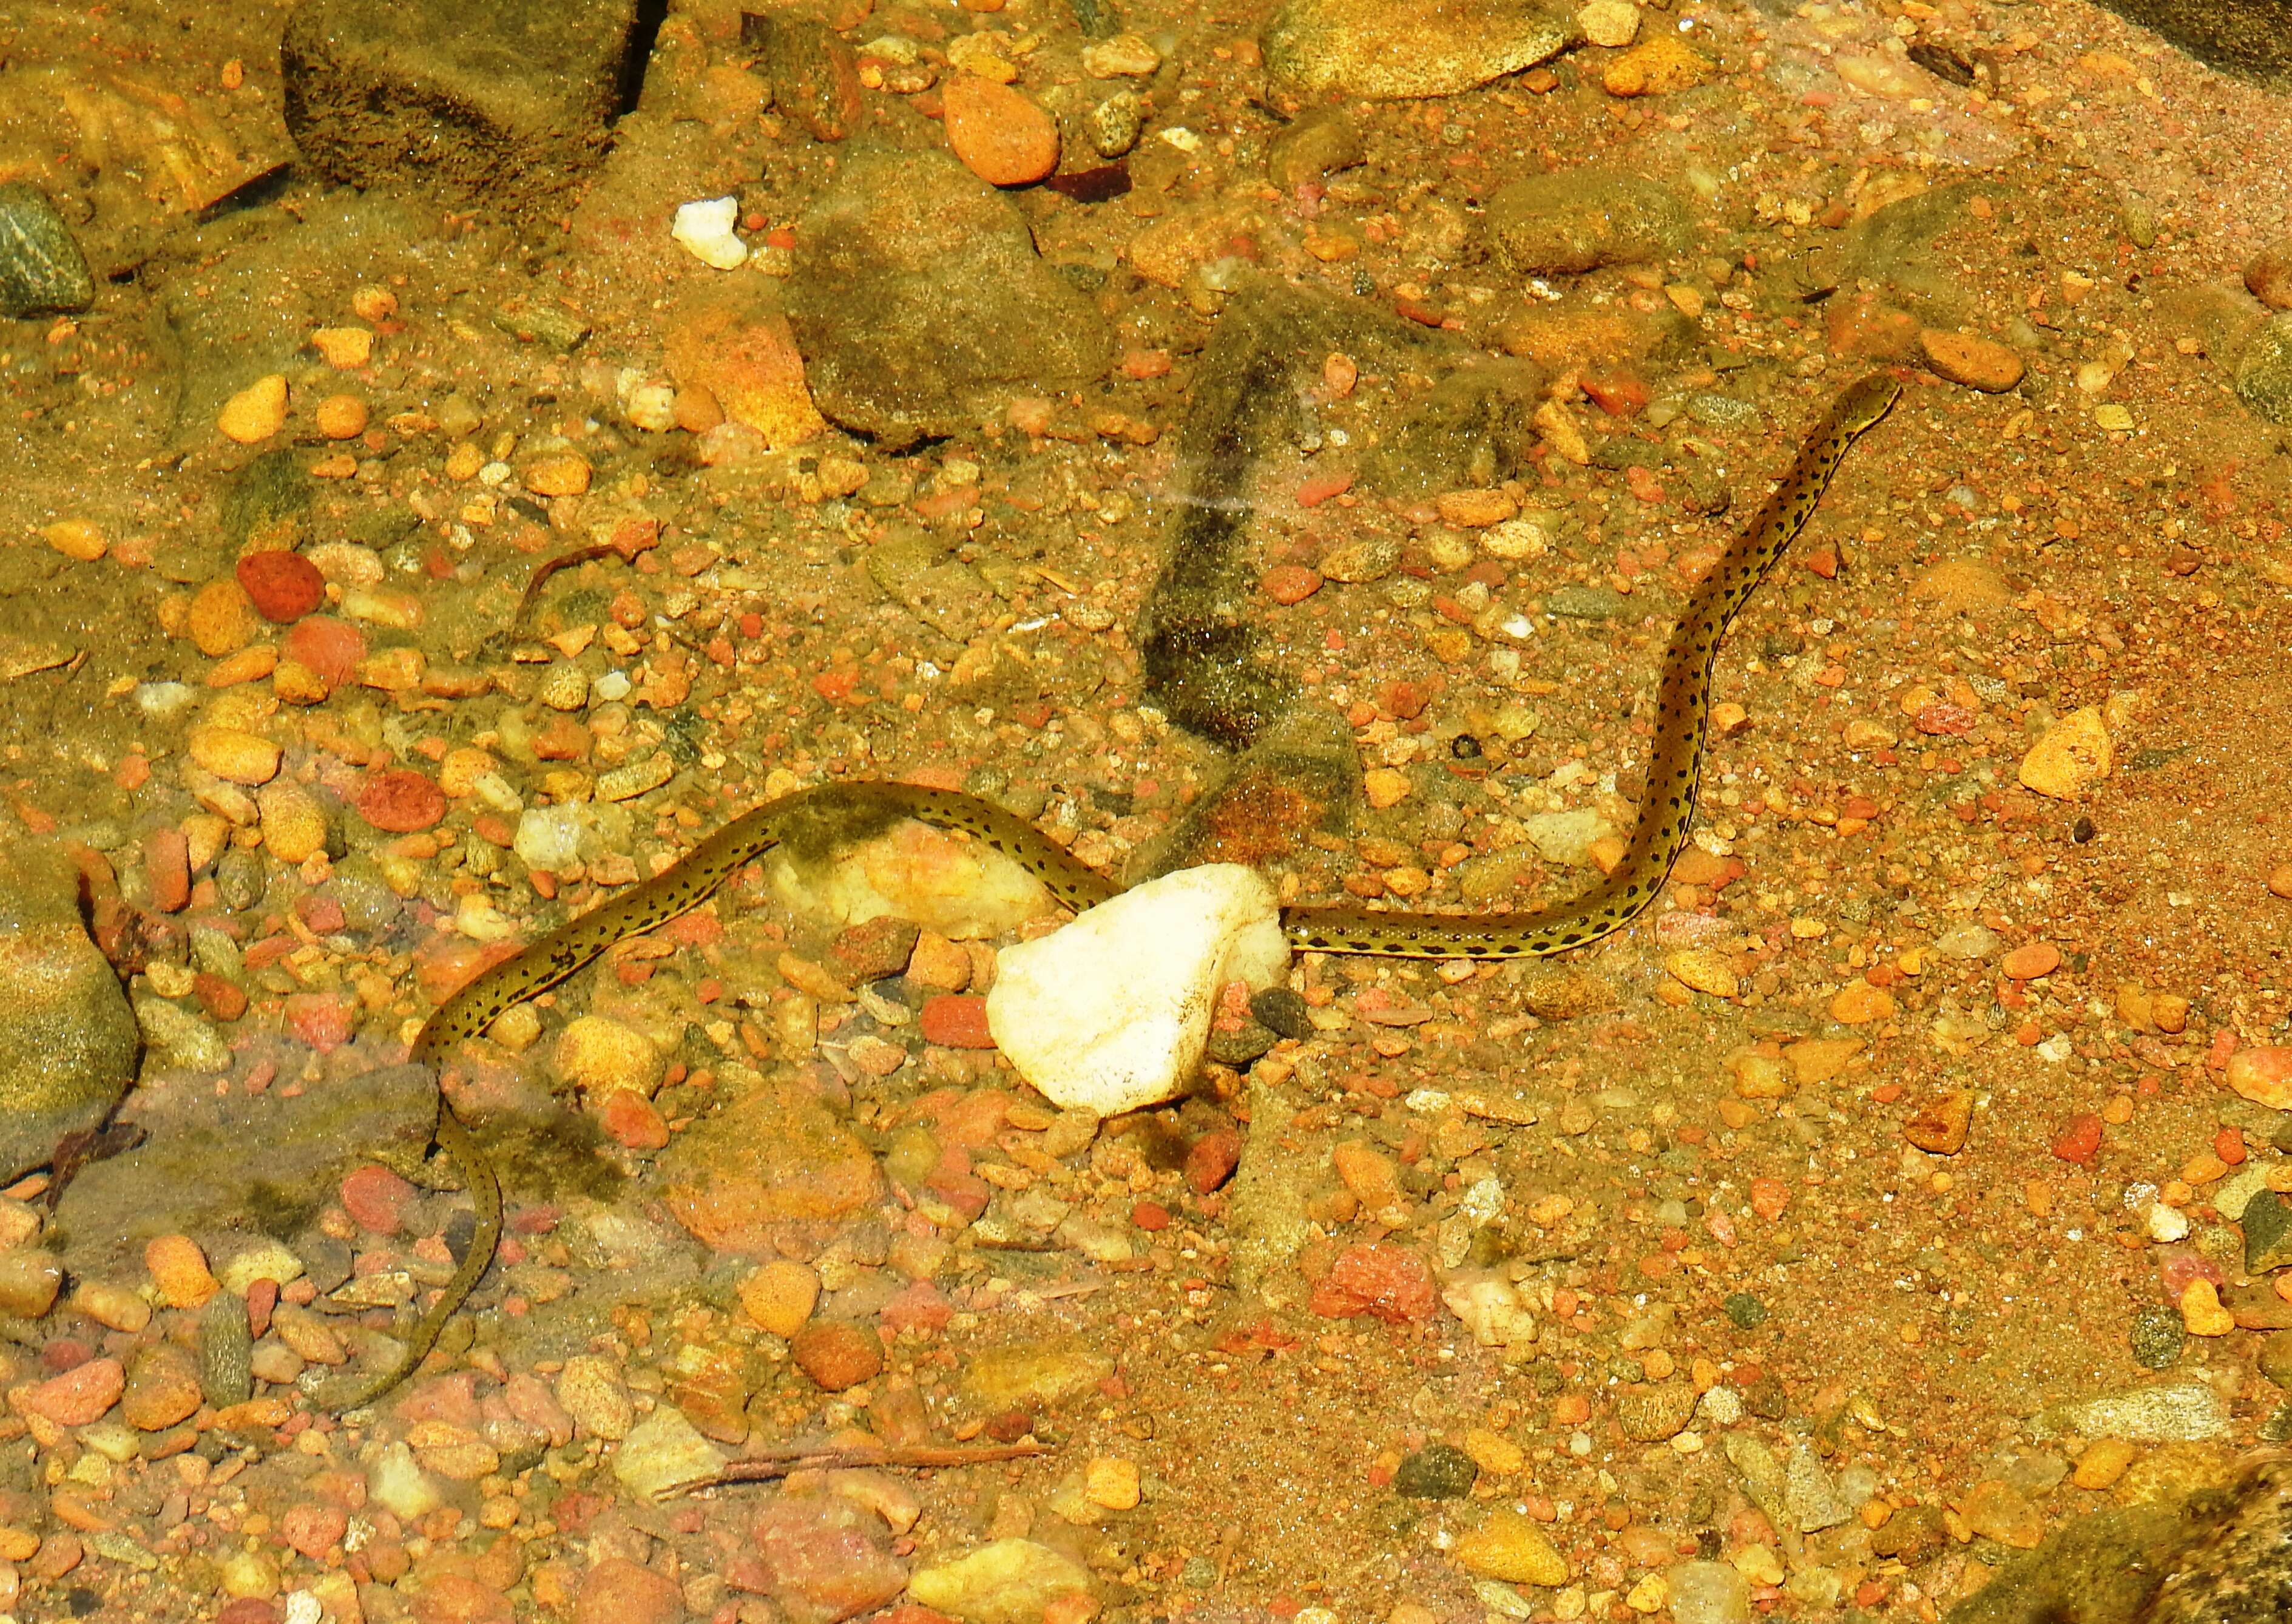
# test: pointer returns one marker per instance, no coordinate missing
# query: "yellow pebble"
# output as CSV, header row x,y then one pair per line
x,y
222,619
180,1270
780,1295
1111,1482
1703,970
2102,1463
234,754
344,349
293,823
76,538
1494,1453
1859,1002
256,412
560,473
2202,1311
1385,785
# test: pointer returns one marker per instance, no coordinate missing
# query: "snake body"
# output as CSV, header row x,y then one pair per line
x,y
1674,769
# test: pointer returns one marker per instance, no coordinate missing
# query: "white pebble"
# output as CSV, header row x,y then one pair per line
x,y
2167,1224
705,230
1111,1013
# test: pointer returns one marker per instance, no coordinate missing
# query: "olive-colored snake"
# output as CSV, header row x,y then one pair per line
x,y
1674,769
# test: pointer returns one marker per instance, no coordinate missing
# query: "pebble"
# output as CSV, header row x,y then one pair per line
x,y
1378,1279
222,619
957,1021
1437,1472
2173,1412
1009,1581
1402,50
41,270
1384,787
29,1279
400,801
1115,123
344,349
618,1591
938,964
1969,360
590,1389
703,229
1364,559
602,1056
878,949
282,585
2157,1338
999,133
114,1307
1033,1375
294,822
2201,1312
1709,1593
161,1388
2266,1216
2262,1075
1509,1546
763,1159
780,1295
1659,66
179,1268
1476,510
396,1481
256,412
1995,1509
1941,1127
837,1353
664,1454
1111,1013
1112,1482
2268,275
1124,56
1611,23
234,754
1288,583
79,1397
226,1352
2069,758
2032,960
76,539
556,474
377,1199
340,417
1703,970
2263,371
1653,1413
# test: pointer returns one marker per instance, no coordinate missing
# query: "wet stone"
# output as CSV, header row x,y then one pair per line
x,y
1747,1311
921,305
42,271
1387,50
1437,1472
2263,372
2267,1233
2157,1338
226,1352
1578,220
505,104
67,1050
1580,603
1649,1415
1283,1011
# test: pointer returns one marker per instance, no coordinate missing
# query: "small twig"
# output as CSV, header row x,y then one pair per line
x,y
549,567
778,1461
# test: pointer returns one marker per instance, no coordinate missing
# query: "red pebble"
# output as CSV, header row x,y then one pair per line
x,y
223,999
285,585
1211,1160
837,1353
322,914
1152,1217
1316,489
958,1021
262,1297
2080,1140
248,1610
1290,583
1388,1282
618,1591
633,1120
377,1198
2178,1267
330,648
2228,1144
79,1397
326,1020
167,866
313,1529
400,801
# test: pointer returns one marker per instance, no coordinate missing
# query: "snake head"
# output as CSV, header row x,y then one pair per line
x,y
1866,401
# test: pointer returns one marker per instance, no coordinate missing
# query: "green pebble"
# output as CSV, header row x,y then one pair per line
x,y
1437,1472
2157,1338
1746,1311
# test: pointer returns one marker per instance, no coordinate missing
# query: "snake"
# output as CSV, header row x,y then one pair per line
x,y
1667,812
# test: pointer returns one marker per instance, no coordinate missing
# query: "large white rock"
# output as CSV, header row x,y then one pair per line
x,y
1111,1013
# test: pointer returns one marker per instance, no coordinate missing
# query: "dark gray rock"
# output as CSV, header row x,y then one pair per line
x,y
42,271
500,101
921,306
68,1045
2263,372
1580,219
2267,1233
215,1167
